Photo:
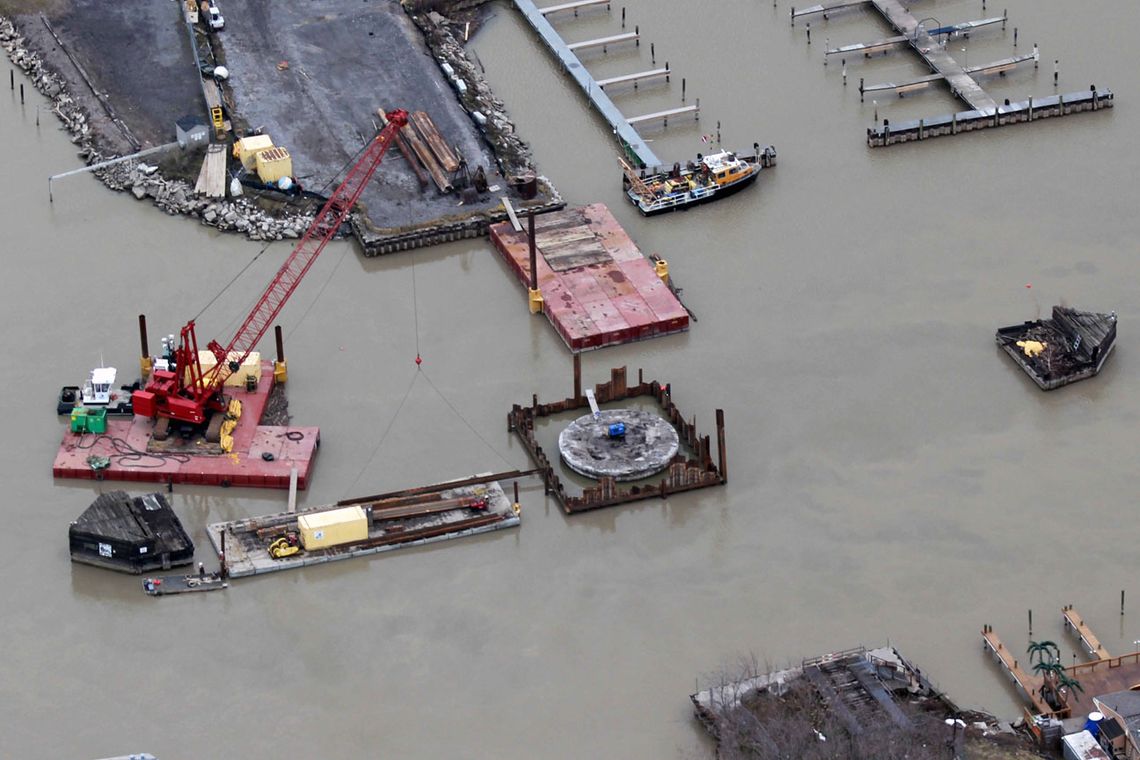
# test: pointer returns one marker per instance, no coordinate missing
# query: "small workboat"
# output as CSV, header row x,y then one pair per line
x,y
709,178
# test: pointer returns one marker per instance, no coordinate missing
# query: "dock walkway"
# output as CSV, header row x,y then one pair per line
x,y
1091,643
594,91
1028,685
984,111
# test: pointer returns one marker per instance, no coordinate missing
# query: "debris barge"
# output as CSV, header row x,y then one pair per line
x,y
130,534
1071,346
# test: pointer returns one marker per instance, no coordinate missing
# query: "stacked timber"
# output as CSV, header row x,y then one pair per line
x,y
424,154
430,135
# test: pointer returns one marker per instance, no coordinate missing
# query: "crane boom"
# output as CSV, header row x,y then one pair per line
x,y
186,393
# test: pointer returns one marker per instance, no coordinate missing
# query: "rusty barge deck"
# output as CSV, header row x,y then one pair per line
x,y
598,289
263,456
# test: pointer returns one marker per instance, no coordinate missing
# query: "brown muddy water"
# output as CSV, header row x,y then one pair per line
x,y
892,475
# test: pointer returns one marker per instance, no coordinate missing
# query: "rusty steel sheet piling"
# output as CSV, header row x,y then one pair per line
x,y
683,473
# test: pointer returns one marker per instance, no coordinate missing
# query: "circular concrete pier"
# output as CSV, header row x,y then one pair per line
x,y
650,443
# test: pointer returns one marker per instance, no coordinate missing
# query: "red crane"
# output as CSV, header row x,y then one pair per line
x,y
187,394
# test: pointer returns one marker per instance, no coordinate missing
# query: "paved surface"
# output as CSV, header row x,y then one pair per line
x,y
137,54
346,59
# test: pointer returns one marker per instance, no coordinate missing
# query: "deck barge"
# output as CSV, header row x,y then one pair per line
x,y
263,456
408,518
598,289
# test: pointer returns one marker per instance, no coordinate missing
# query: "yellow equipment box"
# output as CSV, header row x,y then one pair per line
x,y
273,164
320,530
251,366
247,148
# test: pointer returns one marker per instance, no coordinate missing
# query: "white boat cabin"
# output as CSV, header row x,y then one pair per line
x,y
97,390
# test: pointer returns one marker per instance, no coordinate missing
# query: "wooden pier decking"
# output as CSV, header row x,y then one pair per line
x,y
1102,675
1091,643
635,78
984,111
1028,685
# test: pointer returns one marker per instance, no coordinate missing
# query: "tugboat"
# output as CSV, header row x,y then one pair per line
x,y
98,392
710,177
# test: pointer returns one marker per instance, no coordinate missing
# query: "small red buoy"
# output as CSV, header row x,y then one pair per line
x,y
419,361
1029,284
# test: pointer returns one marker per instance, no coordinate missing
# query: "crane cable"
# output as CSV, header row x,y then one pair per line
x,y
420,370
265,247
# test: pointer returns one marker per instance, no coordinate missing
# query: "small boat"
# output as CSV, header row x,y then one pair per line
x,y
709,178
98,392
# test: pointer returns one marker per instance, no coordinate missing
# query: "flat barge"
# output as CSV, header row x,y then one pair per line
x,y
266,544
263,456
597,288
1072,346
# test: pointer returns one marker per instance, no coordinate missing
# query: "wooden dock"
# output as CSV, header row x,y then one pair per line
x,y
575,6
1089,641
665,115
983,110
1028,685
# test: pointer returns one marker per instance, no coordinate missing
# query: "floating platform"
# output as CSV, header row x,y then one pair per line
x,y
406,518
131,534
184,584
1071,346
598,289
262,456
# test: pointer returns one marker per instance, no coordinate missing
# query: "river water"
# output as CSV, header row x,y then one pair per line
x,y
892,475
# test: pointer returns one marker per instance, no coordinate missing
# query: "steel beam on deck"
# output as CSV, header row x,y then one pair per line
x,y
621,128
604,41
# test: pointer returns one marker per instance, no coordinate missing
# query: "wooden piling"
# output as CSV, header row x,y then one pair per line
x,y
578,384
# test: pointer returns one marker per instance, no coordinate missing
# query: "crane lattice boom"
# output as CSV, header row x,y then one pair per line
x,y
185,394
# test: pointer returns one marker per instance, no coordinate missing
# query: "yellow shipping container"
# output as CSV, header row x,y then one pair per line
x,y
320,530
273,164
247,148
251,366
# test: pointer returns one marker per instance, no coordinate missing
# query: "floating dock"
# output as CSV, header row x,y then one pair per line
x,y
403,518
597,287
263,456
930,44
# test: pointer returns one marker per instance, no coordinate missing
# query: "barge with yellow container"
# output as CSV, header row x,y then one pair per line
x,y
709,178
368,525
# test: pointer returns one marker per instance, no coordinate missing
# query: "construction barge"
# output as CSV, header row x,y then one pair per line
x,y
1072,346
590,278
262,455
368,525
